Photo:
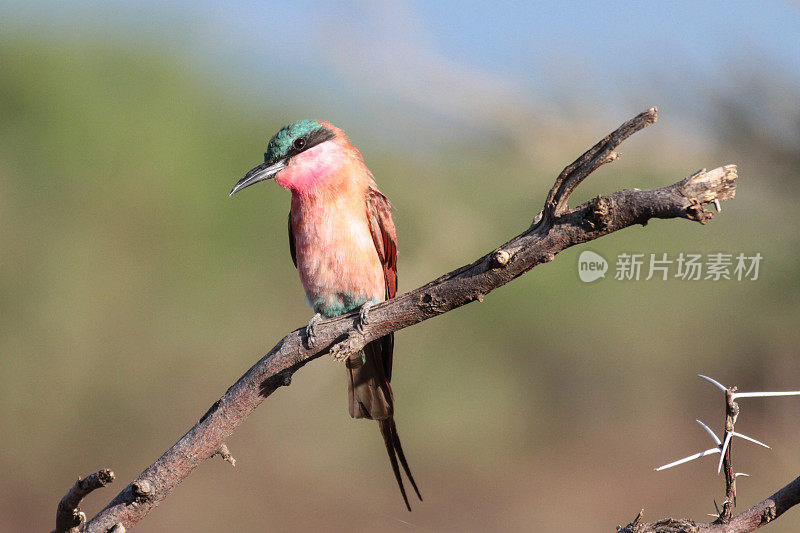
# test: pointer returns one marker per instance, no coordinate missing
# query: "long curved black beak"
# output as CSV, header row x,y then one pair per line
x,y
262,172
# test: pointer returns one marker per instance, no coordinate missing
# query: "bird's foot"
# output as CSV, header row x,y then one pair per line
x,y
363,315
311,339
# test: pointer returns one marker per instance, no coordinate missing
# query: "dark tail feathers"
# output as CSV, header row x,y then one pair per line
x,y
395,450
370,396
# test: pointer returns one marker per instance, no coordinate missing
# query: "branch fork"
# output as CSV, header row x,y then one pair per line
x,y
69,517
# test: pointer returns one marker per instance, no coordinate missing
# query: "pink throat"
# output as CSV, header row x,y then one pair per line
x,y
311,169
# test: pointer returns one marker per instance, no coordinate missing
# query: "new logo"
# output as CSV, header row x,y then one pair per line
x,y
591,266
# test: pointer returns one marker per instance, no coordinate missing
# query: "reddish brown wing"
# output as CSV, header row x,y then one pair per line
x,y
381,225
379,214
292,249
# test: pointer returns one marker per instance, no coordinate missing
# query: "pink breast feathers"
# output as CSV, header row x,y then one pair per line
x,y
309,170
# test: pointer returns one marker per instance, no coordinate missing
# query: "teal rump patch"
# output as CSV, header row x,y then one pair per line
x,y
282,141
341,305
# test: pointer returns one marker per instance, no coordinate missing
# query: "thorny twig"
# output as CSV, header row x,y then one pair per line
x,y
748,520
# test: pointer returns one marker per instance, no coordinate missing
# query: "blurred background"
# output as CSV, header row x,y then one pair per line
x,y
133,291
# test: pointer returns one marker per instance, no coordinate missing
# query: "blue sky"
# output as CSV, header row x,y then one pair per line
x,y
614,35
507,38
476,64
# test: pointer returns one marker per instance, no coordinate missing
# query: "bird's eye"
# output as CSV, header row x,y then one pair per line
x,y
299,143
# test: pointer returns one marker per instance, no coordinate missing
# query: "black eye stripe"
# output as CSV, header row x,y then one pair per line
x,y
301,144
318,136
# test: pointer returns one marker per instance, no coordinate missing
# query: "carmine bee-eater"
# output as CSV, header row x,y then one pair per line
x,y
342,241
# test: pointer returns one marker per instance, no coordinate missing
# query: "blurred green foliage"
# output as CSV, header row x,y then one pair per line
x,y
134,292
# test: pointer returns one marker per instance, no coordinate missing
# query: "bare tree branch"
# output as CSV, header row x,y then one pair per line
x,y
555,230
758,515
69,517
765,511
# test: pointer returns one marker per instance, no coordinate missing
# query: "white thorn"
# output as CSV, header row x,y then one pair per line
x,y
737,474
751,439
722,452
687,459
714,515
716,204
759,394
713,436
715,382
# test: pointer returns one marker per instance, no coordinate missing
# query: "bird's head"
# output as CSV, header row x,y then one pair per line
x,y
299,156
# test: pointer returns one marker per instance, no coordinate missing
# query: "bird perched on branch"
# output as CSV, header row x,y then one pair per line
x,y
342,241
